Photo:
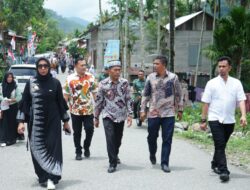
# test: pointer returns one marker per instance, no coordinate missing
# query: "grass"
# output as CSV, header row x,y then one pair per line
x,y
238,147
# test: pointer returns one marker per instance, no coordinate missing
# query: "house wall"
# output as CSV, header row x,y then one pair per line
x,y
185,57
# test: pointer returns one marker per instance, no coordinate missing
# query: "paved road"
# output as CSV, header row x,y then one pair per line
x,y
190,167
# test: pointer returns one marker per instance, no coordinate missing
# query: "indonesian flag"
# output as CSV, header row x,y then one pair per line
x,y
13,43
11,54
32,40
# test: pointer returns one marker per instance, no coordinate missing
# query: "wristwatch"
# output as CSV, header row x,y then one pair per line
x,y
203,120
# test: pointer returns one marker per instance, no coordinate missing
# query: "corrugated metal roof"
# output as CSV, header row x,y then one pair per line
x,y
181,20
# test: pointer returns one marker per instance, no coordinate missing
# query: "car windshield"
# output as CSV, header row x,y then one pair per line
x,y
20,71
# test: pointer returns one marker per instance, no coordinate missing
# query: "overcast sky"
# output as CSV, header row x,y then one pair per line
x,y
85,9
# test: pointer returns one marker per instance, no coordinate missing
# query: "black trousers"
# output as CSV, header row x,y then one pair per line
x,y
221,134
136,107
78,122
113,133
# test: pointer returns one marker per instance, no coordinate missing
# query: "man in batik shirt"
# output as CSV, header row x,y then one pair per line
x,y
163,92
79,91
114,101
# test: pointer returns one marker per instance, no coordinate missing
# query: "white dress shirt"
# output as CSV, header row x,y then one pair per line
x,y
222,98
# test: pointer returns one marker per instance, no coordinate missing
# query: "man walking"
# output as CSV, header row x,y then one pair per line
x,y
138,86
79,91
220,99
163,92
114,101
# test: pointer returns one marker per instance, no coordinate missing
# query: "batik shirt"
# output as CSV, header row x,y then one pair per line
x,y
80,91
163,94
138,86
113,100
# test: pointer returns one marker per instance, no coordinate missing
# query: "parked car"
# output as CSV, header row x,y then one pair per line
x,y
22,73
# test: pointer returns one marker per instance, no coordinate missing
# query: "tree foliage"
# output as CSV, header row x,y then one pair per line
x,y
232,38
19,15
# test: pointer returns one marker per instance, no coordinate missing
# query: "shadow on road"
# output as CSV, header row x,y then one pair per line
x,y
237,175
68,183
181,168
130,167
97,158
174,168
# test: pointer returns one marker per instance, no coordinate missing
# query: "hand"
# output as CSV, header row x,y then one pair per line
x,y
129,121
203,126
179,115
21,128
67,126
243,121
142,116
96,123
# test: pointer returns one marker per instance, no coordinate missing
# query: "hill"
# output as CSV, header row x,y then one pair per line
x,y
67,25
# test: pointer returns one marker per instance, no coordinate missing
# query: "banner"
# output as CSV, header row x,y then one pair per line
x,y
112,51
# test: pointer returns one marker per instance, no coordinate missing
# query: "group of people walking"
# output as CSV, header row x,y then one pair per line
x,y
45,102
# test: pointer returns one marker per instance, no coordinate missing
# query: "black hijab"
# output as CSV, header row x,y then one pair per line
x,y
7,88
38,75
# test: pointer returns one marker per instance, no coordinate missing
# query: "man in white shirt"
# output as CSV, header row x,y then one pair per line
x,y
220,98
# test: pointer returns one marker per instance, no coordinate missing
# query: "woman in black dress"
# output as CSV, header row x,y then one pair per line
x,y
43,107
11,95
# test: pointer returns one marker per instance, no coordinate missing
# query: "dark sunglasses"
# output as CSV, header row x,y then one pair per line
x,y
46,66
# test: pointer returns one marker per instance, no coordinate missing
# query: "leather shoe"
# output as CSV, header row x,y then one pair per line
x,y
165,168
224,177
78,157
111,169
153,159
87,153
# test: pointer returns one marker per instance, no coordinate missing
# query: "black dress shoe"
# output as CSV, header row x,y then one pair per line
x,y
216,170
87,153
118,160
152,159
165,168
224,176
111,169
78,157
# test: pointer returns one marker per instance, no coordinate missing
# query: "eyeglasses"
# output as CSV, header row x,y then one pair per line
x,y
45,66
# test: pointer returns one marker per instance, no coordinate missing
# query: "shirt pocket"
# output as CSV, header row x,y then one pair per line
x,y
169,89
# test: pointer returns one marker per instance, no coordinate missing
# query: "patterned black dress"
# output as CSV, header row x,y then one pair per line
x,y
43,107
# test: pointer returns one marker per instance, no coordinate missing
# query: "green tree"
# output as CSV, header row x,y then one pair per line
x,y
232,38
18,14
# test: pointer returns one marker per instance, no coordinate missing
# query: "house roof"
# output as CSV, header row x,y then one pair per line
x,y
181,20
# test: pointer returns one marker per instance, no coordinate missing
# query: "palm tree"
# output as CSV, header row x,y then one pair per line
x,y
101,26
142,34
159,28
172,32
126,41
232,38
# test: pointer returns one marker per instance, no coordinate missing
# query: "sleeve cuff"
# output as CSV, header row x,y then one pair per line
x,y
65,117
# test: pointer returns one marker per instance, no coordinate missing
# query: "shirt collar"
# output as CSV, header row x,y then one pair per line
x,y
76,74
110,81
220,78
166,75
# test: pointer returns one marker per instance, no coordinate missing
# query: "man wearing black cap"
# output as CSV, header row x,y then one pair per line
x,y
114,101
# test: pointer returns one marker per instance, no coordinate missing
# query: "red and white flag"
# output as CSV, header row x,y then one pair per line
x,y
11,54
